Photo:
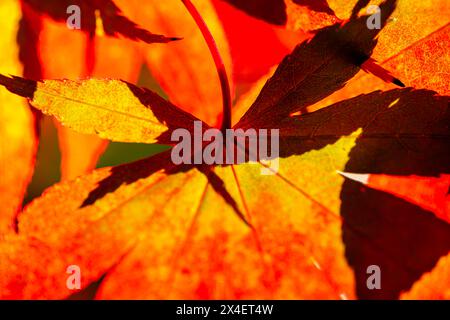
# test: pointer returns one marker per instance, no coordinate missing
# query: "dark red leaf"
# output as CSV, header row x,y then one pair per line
x,y
316,5
273,11
316,68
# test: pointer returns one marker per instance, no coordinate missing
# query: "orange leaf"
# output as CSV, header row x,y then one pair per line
x,y
255,45
17,127
227,231
432,285
418,58
330,59
185,69
187,235
429,193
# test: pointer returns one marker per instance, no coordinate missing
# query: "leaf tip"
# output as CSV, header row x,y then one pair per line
x,y
358,177
20,86
175,38
398,82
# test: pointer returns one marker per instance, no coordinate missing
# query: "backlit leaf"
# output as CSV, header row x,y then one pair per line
x,y
429,193
315,69
432,285
306,231
113,109
90,56
187,236
418,57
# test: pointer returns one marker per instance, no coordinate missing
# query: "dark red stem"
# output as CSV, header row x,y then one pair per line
x,y
224,83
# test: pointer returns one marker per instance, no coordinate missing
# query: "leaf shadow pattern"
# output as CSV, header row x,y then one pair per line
x,y
404,132
315,69
166,112
130,173
404,240
176,118
346,50
395,115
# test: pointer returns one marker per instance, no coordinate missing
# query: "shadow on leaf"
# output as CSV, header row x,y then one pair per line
x,y
404,132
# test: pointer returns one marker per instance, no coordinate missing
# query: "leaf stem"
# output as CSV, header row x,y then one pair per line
x,y
220,66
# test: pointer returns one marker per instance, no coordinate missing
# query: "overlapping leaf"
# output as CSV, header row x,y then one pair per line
x,y
411,47
180,214
91,56
113,109
94,55
429,193
177,231
311,14
335,54
182,67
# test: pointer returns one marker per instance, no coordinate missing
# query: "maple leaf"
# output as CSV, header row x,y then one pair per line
x,y
336,56
177,231
406,54
273,11
93,55
85,106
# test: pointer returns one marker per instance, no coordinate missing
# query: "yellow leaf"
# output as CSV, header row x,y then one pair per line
x,y
89,57
18,141
113,109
